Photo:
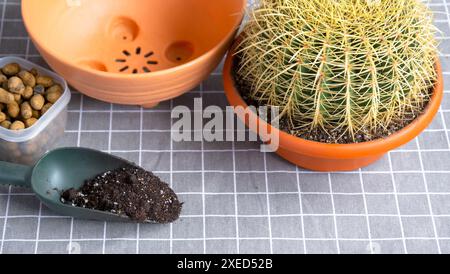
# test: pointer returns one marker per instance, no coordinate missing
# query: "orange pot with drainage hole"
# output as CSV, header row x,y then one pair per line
x,y
332,157
133,52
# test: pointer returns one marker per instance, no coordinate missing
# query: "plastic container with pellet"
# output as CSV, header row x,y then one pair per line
x,y
27,145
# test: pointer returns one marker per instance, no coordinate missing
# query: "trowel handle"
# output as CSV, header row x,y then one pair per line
x,y
14,174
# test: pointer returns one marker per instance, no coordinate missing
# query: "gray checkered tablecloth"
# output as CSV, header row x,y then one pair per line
x,y
238,200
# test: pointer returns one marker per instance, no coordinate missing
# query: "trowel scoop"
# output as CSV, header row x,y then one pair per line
x,y
63,169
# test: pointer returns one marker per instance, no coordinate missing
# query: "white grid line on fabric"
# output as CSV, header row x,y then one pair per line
x,y
258,216
236,206
130,111
447,12
366,212
433,221
109,151
80,117
269,219
334,214
247,150
397,203
225,238
171,177
9,188
293,172
203,187
141,125
40,203
38,229
301,209
287,193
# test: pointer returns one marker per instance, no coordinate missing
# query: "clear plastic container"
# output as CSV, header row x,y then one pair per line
x,y
27,146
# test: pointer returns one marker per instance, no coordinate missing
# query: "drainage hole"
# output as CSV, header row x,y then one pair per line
x,y
146,69
152,62
122,28
135,71
94,64
124,68
180,51
126,52
138,50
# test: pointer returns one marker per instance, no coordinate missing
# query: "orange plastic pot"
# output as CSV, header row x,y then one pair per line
x,y
133,52
331,157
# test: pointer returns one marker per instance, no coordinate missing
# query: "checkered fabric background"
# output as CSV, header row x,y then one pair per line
x,y
238,200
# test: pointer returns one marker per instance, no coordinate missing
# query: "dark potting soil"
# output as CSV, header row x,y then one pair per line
x,y
129,191
329,136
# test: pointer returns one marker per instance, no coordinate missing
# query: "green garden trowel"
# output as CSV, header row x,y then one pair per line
x,y
60,170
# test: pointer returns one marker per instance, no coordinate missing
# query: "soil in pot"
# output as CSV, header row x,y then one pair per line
x,y
332,136
129,191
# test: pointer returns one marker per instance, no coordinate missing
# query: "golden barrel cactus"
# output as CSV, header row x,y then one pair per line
x,y
346,68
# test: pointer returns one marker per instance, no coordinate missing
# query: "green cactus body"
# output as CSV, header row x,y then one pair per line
x,y
342,66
